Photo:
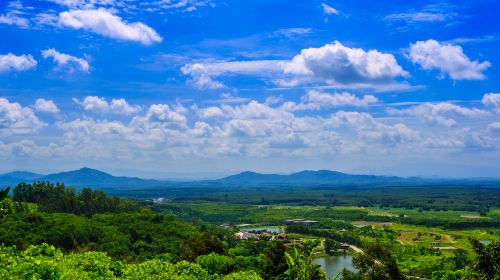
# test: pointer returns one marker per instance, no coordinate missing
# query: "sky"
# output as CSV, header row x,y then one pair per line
x,y
173,88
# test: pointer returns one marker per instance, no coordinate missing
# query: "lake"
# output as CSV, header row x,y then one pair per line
x,y
333,265
274,230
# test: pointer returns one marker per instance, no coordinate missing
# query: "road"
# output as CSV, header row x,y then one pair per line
x,y
377,262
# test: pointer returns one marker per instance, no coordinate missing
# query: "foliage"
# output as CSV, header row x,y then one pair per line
x,y
47,262
301,266
487,263
216,264
273,260
121,235
57,198
377,263
201,244
3,195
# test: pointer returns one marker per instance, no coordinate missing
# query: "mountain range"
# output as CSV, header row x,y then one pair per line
x,y
84,177
87,177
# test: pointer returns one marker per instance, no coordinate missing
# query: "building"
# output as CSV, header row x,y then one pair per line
x,y
246,236
344,246
280,237
300,222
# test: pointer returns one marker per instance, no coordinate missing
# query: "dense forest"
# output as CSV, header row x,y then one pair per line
x,y
50,231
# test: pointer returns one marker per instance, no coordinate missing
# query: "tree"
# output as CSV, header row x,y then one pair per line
x,y
3,195
330,246
460,258
216,264
301,266
273,260
377,263
201,244
487,263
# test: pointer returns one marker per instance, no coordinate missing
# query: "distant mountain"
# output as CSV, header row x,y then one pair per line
x,y
323,177
84,177
13,178
87,177
23,175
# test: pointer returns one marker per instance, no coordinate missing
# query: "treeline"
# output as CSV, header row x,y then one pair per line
x,y
57,198
347,237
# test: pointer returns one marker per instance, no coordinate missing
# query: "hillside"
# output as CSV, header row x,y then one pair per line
x,y
84,177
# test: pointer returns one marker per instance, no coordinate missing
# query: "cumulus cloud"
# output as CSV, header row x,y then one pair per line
x,y
440,113
10,62
333,64
316,100
250,130
45,106
66,61
203,74
200,77
210,112
165,115
104,23
492,100
494,127
17,119
449,59
14,19
98,104
336,63
329,10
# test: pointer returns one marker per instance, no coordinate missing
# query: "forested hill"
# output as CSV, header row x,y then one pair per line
x,y
87,177
84,177
320,177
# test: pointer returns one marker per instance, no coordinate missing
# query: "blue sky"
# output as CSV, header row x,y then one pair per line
x,y
163,88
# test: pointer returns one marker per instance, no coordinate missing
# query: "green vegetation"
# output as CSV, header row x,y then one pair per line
x,y
49,231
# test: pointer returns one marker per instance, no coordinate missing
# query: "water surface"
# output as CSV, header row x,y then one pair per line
x,y
333,265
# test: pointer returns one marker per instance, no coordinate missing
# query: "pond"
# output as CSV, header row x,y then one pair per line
x,y
333,265
274,230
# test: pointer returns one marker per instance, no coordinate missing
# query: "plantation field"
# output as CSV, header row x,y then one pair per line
x,y
431,214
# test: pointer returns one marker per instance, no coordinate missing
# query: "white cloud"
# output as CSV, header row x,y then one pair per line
x,y
492,100
14,19
210,112
440,113
203,74
494,127
200,77
293,32
121,106
166,115
329,10
333,64
45,106
94,104
10,62
65,61
16,119
336,63
316,100
104,23
416,17
98,104
449,59
254,131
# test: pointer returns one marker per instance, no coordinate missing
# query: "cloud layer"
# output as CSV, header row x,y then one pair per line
x,y
103,22
449,59
11,62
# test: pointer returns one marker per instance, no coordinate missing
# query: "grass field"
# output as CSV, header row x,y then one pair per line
x,y
449,215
